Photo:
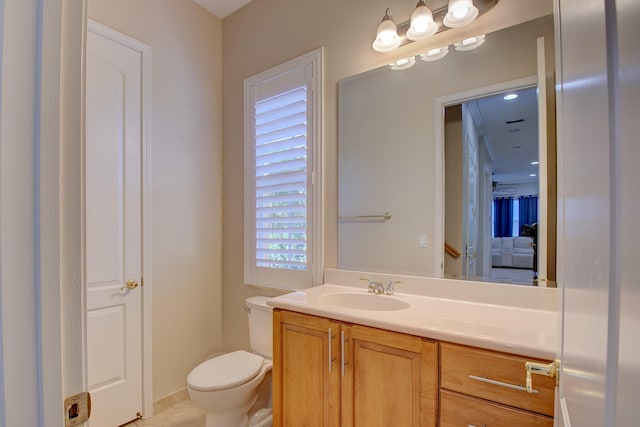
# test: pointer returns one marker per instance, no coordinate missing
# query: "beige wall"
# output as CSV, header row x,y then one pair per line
x,y
186,166
265,33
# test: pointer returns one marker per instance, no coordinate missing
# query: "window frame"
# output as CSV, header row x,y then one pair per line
x,y
282,278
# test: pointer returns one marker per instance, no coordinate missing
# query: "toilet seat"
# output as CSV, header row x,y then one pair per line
x,y
225,371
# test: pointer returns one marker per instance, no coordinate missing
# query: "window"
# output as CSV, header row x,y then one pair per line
x,y
282,187
509,214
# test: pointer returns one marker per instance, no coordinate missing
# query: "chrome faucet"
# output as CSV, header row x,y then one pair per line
x,y
391,288
375,286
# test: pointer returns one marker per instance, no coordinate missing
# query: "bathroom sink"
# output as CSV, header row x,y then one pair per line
x,y
362,301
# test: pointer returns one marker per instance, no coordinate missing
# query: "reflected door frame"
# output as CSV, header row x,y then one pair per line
x,y
440,104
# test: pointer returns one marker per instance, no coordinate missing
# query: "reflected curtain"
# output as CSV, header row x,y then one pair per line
x,y
528,210
503,219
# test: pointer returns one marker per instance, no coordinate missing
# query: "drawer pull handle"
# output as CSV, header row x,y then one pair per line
x,y
473,425
330,349
501,384
342,362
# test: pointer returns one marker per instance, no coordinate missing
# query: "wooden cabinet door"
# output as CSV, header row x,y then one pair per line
x,y
461,410
390,379
306,375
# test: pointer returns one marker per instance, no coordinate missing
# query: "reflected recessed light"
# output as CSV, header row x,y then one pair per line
x,y
435,54
535,163
403,64
532,174
469,44
510,96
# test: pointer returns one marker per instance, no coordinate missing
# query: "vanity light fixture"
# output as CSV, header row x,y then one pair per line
x,y
460,13
532,174
403,64
422,23
510,96
387,38
535,162
425,22
435,54
469,43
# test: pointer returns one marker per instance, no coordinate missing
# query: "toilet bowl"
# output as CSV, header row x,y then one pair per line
x,y
227,387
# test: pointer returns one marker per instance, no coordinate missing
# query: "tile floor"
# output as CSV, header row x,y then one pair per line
x,y
183,414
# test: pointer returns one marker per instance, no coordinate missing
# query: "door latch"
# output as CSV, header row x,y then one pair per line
x,y
77,409
547,369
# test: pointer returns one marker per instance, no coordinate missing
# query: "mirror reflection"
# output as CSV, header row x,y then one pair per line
x,y
408,189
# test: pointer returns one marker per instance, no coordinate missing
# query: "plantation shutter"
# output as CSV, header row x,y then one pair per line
x,y
281,180
280,187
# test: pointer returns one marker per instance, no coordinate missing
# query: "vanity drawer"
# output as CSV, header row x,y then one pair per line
x,y
458,364
462,411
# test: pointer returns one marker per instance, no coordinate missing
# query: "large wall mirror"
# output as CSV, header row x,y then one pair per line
x,y
439,175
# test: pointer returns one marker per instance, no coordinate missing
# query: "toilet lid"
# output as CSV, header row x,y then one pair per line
x,y
225,371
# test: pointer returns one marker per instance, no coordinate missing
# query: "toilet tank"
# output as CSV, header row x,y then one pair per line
x,y
260,325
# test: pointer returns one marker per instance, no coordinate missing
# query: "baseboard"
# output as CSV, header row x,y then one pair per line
x,y
170,400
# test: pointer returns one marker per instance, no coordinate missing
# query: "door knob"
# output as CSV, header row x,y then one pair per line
x,y
131,284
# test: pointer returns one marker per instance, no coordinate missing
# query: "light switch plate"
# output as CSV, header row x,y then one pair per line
x,y
77,409
424,241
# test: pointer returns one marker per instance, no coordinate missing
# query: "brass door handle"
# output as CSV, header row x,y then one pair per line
x,y
131,284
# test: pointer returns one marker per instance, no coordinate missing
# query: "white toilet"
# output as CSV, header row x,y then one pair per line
x,y
228,386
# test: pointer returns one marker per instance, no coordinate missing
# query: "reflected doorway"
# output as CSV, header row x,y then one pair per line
x,y
492,188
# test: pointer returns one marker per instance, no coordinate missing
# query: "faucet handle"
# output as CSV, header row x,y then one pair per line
x,y
391,288
373,284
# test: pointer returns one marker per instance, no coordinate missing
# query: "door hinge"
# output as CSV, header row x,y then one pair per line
x,y
141,281
77,409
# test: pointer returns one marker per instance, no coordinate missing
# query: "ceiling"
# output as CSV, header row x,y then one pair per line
x,y
222,8
510,129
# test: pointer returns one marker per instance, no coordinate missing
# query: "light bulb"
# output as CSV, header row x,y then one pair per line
x,y
387,38
460,11
422,24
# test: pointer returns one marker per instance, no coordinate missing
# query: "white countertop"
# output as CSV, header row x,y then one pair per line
x,y
525,331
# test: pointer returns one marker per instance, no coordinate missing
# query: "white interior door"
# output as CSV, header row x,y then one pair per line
x,y
543,188
470,208
113,231
600,98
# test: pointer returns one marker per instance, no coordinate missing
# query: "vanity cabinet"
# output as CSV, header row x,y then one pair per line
x,y
330,373
481,387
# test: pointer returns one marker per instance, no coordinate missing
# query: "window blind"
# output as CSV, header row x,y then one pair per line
x,y
281,174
